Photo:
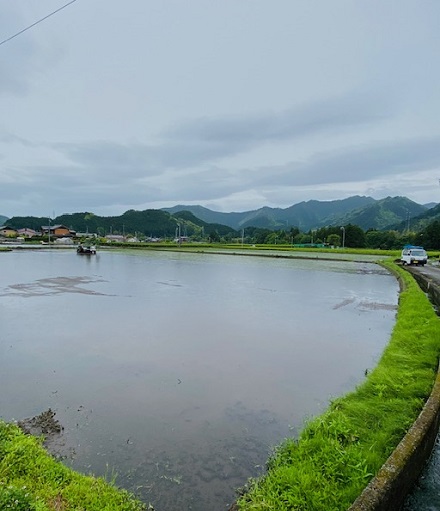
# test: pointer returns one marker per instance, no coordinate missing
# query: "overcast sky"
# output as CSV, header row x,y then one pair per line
x,y
233,104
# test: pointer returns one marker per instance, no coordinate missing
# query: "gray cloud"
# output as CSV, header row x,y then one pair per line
x,y
358,163
203,140
219,113
234,134
17,62
10,138
107,173
57,189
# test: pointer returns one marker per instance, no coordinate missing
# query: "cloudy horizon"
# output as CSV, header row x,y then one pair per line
x,y
229,105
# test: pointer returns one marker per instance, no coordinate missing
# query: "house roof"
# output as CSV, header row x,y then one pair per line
x,y
53,227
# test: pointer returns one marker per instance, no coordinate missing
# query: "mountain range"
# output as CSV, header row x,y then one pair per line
x,y
365,212
398,213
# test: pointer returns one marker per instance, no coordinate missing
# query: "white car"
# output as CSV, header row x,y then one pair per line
x,y
414,255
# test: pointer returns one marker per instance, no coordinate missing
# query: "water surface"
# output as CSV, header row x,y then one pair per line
x,y
179,372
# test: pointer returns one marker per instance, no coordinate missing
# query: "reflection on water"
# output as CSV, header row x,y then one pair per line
x,y
179,372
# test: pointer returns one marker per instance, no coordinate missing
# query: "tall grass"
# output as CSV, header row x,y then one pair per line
x,y
32,480
338,453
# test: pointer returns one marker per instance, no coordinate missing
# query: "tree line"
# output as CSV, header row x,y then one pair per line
x,y
350,236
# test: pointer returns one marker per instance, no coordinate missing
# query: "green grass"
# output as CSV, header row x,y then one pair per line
x,y
32,480
194,247
337,454
324,250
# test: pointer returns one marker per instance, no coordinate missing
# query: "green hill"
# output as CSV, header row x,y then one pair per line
x,y
365,212
304,215
383,214
421,221
151,222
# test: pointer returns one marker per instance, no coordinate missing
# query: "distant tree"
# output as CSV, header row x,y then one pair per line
x,y
334,240
354,236
302,238
260,236
373,238
272,238
283,237
430,237
214,237
294,231
385,240
391,240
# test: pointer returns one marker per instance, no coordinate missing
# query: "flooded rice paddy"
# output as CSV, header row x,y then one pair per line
x,y
177,373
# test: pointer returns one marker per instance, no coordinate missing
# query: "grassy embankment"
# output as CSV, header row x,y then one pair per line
x,y
200,247
32,480
338,452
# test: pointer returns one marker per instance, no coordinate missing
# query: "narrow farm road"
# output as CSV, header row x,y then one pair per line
x,y
425,495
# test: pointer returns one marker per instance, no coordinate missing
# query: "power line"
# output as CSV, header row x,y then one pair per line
x,y
36,23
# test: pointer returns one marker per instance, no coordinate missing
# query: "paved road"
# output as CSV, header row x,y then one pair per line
x,y
425,496
432,270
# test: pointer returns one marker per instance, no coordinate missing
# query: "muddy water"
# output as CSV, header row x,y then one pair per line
x,y
178,372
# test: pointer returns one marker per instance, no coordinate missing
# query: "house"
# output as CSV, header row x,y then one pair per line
x,y
57,231
8,232
27,233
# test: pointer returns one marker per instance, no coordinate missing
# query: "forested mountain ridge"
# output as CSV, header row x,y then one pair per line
x,y
397,213
365,212
419,222
383,214
304,215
